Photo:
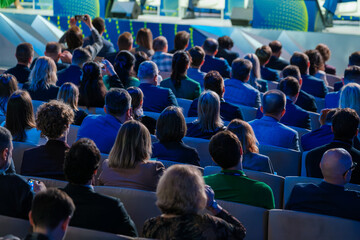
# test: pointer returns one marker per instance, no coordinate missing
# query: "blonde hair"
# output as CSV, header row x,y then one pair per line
x,y
255,71
132,145
350,97
245,134
209,111
181,190
43,74
69,94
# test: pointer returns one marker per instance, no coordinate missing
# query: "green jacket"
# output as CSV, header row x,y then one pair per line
x,y
189,89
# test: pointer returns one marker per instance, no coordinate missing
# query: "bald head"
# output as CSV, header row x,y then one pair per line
x,y
211,46
334,163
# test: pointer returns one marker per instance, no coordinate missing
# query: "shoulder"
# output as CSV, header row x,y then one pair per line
x,y
16,179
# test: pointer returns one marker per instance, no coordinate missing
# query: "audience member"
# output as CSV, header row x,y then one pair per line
x,y
237,89
252,160
209,121
42,80
102,129
93,210
317,66
330,196
231,184
181,196
69,94
162,59
214,82
53,119
129,162
211,63
144,40
310,84
170,130
354,60
53,51
141,57
264,54
268,130
50,215
8,85
124,68
225,46
326,54
124,42
350,97
197,55
181,41
24,55
255,76
180,84
304,100
275,61
345,124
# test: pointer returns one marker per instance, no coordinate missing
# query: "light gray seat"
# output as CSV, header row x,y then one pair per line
x,y
202,146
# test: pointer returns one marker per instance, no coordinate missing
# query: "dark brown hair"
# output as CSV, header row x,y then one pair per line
x,y
316,61
24,52
125,41
181,40
144,38
171,125
264,54
180,62
213,81
8,85
74,38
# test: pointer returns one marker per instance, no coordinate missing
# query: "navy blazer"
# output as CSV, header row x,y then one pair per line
x,y
332,100
317,138
228,111
314,86
306,102
269,74
325,198
156,99
193,130
107,48
71,74
42,94
277,63
227,54
216,64
21,72
338,86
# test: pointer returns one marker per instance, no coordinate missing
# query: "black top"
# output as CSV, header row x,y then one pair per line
x,y
306,102
79,116
42,94
228,55
149,122
71,74
193,130
36,236
21,72
277,63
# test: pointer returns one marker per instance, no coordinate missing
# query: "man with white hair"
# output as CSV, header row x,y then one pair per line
x,y
330,196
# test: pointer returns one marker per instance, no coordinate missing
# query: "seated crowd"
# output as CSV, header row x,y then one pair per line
x,y
128,89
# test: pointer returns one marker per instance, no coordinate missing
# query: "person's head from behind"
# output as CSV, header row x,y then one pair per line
x,y
225,150
124,65
6,148
210,46
74,38
118,104
51,212
125,41
336,166
148,72
99,24
24,53
213,81
8,85
352,75
241,69
273,104
140,57
171,125
81,161
292,71
225,42
53,119
144,38
264,54
350,97
209,111
53,51
160,44
20,115
316,61
276,48
354,59
43,74
132,145
197,55
245,134
301,60
324,51
181,40
69,94
290,86
345,124
81,56
137,97
181,191
180,64
255,70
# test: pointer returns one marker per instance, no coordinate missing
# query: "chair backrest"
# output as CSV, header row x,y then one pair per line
x,y
300,131
286,224
82,233
202,146
184,104
168,164
249,113
320,103
36,104
272,85
18,153
99,170
315,123
303,166
286,162
49,183
139,204
15,226
71,137
332,79
153,115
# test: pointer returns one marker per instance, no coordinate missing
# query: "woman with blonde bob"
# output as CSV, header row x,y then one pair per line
x,y
251,158
128,164
42,80
209,122
181,196
350,97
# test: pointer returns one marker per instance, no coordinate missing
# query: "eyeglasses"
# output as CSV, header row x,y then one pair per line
x,y
351,168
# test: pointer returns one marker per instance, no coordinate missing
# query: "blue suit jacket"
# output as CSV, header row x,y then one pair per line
x,y
71,74
332,100
196,75
217,64
156,99
237,92
306,102
314,86
107,48
317,138
269,74
269,131
228,55
277,63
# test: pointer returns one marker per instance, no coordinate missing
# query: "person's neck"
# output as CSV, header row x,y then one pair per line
x,y
277,117
236,167
195,67
24,64
121,119
50,234
338,182
146,81
210,54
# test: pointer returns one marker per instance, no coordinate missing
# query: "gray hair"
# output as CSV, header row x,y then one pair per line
x,y
147,69
159,43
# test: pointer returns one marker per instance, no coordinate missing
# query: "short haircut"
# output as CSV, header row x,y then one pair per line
x,y
241,69
291,71
5,139
125,41
99,24
180,64
345,124
160,43
54,118
144,38
197,56
273,102
171,125
50,207
81,160
147,69
53,48
225,42
300,60
210,45
354,59
24,52
324,51
275,46
181,40
74,38
225,149
213,81
352,74
117,101
81,56
290,86
264,54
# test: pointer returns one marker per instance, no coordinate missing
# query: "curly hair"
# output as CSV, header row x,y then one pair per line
x,y
53,119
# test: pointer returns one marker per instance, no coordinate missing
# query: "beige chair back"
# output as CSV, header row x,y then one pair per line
x,y
71,137
18,153
202,146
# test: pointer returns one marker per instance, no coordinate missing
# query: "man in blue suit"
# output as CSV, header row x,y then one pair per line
x,y
213,63
156,98
354,60
275,61
264,54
